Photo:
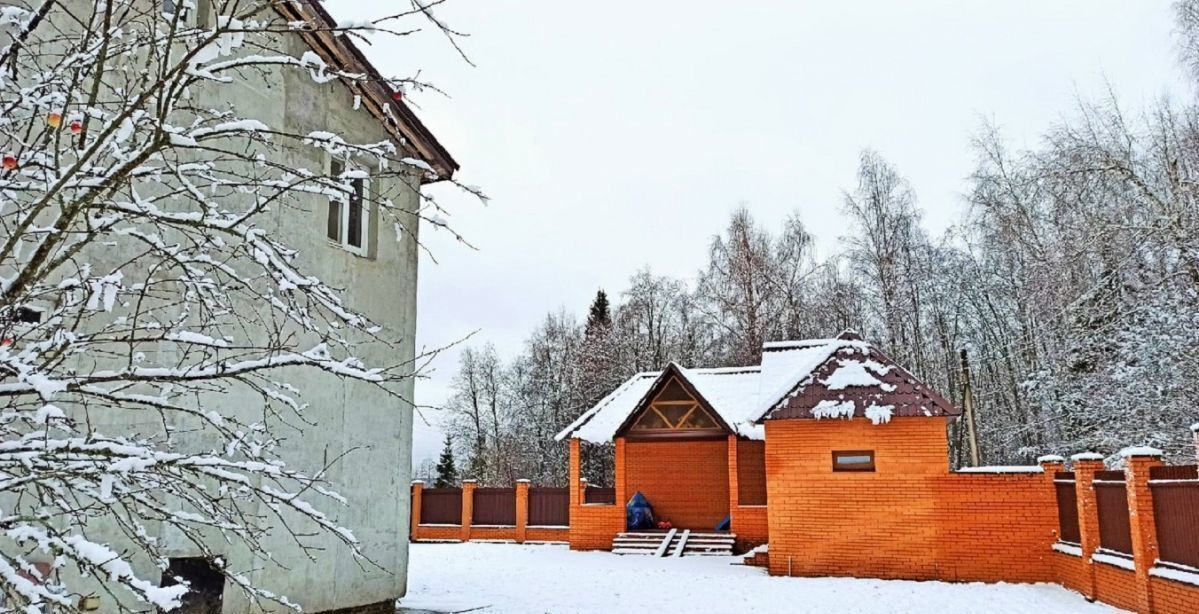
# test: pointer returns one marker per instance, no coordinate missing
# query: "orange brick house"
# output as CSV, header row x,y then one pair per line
x,y
837,459
706,444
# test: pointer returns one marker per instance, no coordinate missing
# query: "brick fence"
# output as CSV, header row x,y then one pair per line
x,y
489,514
1117,558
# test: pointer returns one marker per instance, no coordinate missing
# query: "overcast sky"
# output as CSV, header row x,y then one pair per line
x,y
617,135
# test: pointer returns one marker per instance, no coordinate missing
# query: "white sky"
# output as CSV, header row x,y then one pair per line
x,y
615,135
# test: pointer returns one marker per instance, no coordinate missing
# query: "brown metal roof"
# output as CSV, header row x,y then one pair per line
x,y
909,397
397,118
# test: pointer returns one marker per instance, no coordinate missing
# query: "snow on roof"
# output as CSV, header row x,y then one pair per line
x,y
851,378
731,392
786,363
600,423
741,396
1002,469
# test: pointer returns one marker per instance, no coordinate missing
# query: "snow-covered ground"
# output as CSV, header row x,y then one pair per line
x,y
507,578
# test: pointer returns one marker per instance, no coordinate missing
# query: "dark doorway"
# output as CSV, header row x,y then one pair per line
x,y
206,584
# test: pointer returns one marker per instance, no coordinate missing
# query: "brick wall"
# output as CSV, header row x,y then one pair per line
x,y
995,527
911,518
687,482
592,526
1116,586
1174,597
751,471
747,477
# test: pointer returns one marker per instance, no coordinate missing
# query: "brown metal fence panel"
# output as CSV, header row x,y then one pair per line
x,y
441,506
1174,472
1176,513
596,494
494,506
549,507
1115,530
1067,511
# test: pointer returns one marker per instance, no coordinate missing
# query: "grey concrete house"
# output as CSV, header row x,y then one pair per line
x,y
379,275
367,428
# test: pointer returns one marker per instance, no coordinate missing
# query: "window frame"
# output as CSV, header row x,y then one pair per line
x,y
345,204
867,467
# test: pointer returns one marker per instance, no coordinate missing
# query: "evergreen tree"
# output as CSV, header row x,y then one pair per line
x,y
599,318
447,473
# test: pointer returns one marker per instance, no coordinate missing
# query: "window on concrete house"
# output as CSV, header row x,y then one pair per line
x,y
347,221
853,460
206,584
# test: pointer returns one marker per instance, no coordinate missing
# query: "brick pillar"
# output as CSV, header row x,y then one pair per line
x,y
1050,465
576,483
734,494
468,507
1085,466
1137,464
622,496
522,510
418,488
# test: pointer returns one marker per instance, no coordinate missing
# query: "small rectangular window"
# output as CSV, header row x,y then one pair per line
x,y
348,221
853,460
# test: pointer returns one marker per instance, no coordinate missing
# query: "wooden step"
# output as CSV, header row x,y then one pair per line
x,y
674,542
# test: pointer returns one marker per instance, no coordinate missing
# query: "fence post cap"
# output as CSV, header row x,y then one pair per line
x,y
583,480
1050,458
470,481
1134,451
523,481
415,482
1087,456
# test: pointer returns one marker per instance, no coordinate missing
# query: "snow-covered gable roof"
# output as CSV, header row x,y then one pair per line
x,y
743,397
728,391
858,380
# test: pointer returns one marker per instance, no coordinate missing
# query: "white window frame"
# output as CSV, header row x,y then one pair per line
x,y
364,227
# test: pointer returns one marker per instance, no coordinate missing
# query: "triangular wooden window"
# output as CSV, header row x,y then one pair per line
x,y
675,409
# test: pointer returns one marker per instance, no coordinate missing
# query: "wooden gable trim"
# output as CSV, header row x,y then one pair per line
x,y
672,371
397,118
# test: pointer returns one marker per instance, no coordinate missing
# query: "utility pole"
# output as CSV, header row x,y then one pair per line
x,y
968,406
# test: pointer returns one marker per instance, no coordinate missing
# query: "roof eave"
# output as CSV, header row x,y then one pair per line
x,y
405,126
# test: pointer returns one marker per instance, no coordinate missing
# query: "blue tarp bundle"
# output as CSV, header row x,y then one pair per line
x,y
639,514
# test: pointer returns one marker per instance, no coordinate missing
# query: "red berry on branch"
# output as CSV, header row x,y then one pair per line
x,y
76,127
10,162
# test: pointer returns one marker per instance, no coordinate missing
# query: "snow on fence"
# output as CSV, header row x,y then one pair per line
x,y
1067,507
1176,513
1111,498
441,506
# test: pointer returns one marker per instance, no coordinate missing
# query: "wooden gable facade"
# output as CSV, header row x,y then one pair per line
x,y
673,409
